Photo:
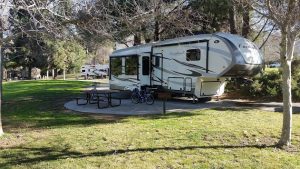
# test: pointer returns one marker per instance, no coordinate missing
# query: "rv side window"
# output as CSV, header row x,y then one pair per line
x,y
131,65
193,54
116,66
145,65
82,70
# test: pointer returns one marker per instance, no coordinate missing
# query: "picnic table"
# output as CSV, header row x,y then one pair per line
x,y
98,97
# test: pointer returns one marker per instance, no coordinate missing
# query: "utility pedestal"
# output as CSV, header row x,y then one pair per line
x,y
164,96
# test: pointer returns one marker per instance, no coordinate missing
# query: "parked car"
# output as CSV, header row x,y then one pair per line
x,y
273,65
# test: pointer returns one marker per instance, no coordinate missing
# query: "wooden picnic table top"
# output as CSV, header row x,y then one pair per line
x,y
104,91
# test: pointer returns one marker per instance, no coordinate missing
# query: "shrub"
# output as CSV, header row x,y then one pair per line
x,y
270,84
267,84
296,79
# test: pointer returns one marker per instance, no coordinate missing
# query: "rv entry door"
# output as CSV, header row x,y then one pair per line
x,y
144,69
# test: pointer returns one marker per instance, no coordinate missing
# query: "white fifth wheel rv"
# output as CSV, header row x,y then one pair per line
x,y
195,65
95,71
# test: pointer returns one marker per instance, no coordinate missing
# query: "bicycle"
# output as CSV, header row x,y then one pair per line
x,y
141,96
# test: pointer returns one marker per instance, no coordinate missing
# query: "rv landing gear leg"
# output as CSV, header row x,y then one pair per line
x,y
195,99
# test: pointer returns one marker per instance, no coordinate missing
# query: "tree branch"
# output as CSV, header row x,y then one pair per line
x,y
261,30
263,44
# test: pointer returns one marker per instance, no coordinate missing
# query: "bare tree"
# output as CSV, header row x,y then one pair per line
x,y
246,21
145,20
3,10
43,17
232,19
285,14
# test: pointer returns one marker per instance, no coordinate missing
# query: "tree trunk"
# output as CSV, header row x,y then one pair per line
x,y
29,72
156,31
56,73
246,22
137,39
1,130
232,19
1,42
64,72
53,74
47,74
286,53
287,104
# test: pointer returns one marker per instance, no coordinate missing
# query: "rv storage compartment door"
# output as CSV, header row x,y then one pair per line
x,y
209,88
175,83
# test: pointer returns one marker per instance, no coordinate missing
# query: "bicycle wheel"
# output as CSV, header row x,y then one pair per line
x,y
135,98
149,99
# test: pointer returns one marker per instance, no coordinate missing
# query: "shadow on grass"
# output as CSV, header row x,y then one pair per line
x,y
273,106
41,90
40,115
233,109
51,154
169,115
296,110
14,127
55,119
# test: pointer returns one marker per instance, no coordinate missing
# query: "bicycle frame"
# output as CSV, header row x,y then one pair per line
x,y
142,94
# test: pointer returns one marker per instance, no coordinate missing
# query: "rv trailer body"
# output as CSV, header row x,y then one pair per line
x,y
194,65
95,70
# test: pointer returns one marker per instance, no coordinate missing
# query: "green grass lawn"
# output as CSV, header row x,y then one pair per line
x,y
268,69
40,133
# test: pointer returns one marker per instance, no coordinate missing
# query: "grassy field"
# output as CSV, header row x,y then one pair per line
x,y
40,133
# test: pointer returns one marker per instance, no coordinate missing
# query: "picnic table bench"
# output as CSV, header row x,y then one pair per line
x,y
99,96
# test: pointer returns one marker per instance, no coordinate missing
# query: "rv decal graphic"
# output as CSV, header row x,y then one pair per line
x,y
194,73
155,80
166,58
222,52
160,56
126,79
160,80
165,70
191,65
213,50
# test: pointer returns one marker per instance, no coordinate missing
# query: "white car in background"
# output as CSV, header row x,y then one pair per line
x,y
275,65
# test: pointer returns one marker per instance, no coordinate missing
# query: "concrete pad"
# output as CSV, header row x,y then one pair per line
x,y
129,108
